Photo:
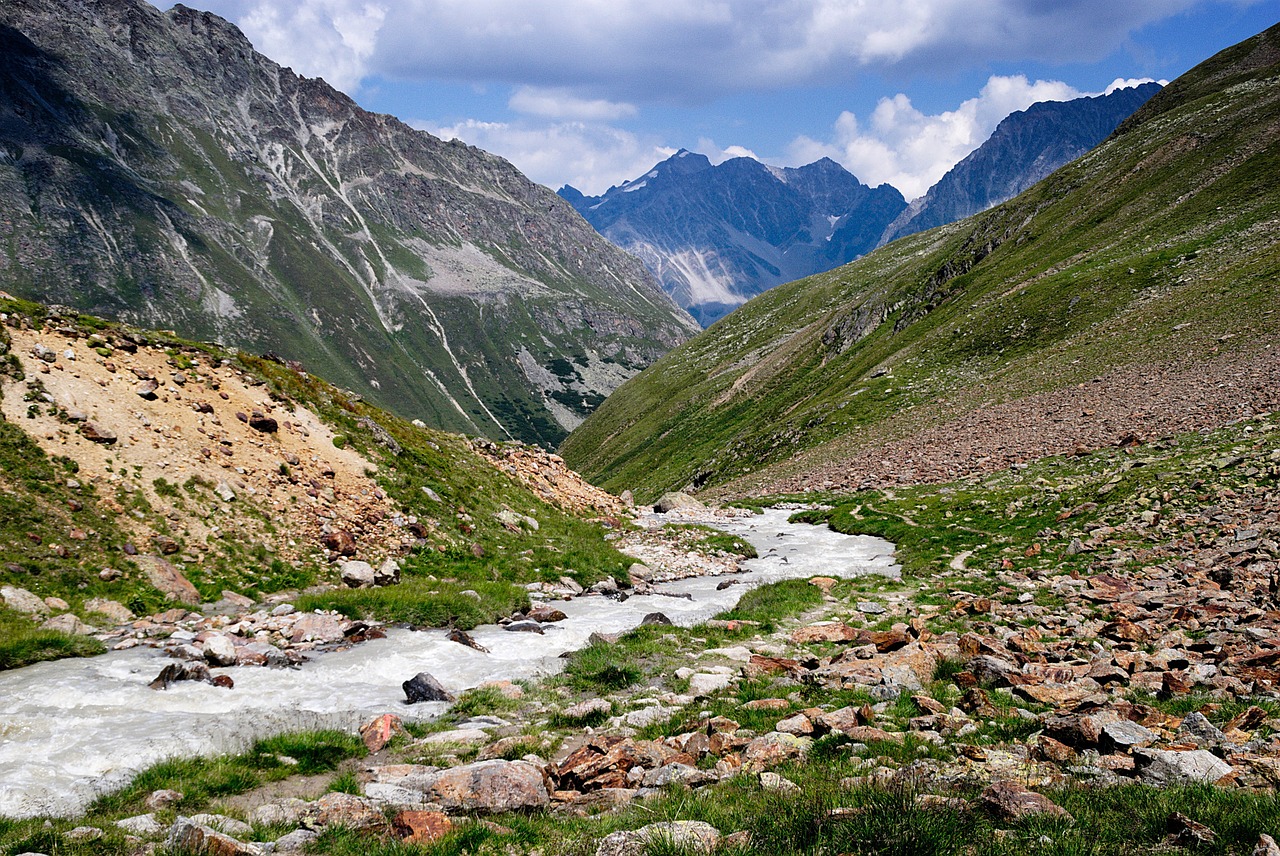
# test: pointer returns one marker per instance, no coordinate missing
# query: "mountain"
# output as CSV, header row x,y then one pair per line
x,y
718,235
1024,148
154,168
1129,295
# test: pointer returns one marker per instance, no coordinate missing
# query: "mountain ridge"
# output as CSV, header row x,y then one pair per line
x,y
187,182
715,235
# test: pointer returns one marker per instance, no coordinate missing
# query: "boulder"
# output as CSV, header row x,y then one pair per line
x,y
387,574
773,748
464,638
297,841
97,433
318,627
676,501
117,612
1010,801
1167,767
1196,728
70,624
21,600
341,542
349,810
219,650
157,800
222,823
655,618
490,787
545,614
357,574
168,579
423,687
1266,846
181,672
187,836
675,836
378,732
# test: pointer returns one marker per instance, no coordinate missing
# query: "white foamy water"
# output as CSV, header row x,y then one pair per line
x,y
72,729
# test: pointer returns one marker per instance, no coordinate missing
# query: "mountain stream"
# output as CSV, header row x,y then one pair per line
x,y
72,729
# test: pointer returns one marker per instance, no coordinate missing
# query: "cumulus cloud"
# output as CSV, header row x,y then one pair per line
x,y
628,51
333,39
902,146
590,156
718,155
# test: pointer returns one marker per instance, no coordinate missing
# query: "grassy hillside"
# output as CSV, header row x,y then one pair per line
x,y
79,520
1163,243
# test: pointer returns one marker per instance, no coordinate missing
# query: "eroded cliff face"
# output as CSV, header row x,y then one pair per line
x,y
155,168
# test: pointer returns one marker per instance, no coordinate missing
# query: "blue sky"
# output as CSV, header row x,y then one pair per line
x,y
594,92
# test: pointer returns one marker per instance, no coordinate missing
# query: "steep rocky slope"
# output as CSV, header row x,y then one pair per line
x,y
718,235
1134,290
154,168
1024,148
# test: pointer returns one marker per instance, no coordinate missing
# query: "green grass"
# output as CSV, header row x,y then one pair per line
x,y
23,643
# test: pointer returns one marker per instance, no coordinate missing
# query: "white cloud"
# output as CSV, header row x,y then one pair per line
x,y
718,155
561,104
1128,83
589,156
627,51
333,39
911,150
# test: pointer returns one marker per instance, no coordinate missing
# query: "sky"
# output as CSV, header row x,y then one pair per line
x,y
592,93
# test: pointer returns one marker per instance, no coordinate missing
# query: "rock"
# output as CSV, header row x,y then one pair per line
x,y
490,787
703,684
676,501
168,579
147,390
545,614
1124,735
1196,728
869,607
157,800
584,709
1185,832
423,687
464,638
97,432
773,748
224,492
222,823
523,627
287,812
219,650
83,834
1266,846
349,810
318,627
421,827
142,825
21,600
387,574
798,724
260,422
773,782
297,841
1165,767
356,574
655,618
460,736
677,836
68,623
768,704
261,654
341,542
181,672
117,612
379,731
1010,801
832,631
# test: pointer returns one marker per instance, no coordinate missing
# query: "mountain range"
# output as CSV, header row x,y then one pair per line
x,y
715,236
154,168
1129,295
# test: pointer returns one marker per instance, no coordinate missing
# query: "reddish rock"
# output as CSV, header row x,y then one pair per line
x,y
421,827
341,542
833,632
378,732
187,836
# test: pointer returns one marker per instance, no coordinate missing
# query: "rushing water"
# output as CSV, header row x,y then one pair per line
x,y
74,728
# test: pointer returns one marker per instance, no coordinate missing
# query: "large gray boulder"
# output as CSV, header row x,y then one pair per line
x,y
485,787
677,836
1168,767
676,502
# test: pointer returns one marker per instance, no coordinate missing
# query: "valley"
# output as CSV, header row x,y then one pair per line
x,y
969,547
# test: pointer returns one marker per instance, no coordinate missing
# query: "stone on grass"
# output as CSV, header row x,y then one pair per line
x,y
357,574
1166,767
69,624
421,827
1010,801
704,684
222,823
1266,846
295,842
678,836
21,600
1196,728
378,732
187,836
773,748
142,825
162,799
490,787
